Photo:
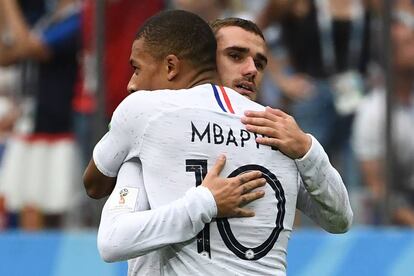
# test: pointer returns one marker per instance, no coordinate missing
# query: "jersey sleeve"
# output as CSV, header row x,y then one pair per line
x,y
128,227
322,194
124,137
63,35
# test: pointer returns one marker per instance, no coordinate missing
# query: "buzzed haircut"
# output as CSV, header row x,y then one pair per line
x,y
246,25
181,33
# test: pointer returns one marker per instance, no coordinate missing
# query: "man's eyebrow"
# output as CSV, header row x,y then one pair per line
x,y
238,49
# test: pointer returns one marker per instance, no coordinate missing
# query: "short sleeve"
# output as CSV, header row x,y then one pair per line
x,y
125,136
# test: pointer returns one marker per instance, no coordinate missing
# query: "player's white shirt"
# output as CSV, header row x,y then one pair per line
x,y
177,135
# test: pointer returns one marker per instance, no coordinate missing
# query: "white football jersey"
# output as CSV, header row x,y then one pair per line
x,y
177,136
163,234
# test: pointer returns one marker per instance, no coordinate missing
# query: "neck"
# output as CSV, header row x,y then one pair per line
x,y
207,77
203,76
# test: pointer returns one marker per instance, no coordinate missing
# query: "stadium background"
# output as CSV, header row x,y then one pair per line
x,y
373,247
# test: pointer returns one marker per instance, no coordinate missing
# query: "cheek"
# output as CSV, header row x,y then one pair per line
x,y
226,77
228,70
144,82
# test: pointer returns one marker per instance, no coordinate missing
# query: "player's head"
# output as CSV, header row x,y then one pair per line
x,y
241,54
172,50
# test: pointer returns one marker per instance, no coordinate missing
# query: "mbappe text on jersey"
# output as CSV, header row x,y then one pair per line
x,y
214,133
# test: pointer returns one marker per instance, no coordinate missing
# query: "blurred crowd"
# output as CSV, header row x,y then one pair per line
x,y
326,68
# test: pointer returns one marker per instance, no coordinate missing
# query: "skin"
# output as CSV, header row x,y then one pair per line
x,y
25,43
241,60
145,68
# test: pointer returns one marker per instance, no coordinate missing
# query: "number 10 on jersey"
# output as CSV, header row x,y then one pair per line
x,y
199,167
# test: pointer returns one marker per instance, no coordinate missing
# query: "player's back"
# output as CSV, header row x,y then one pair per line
x,y
183,137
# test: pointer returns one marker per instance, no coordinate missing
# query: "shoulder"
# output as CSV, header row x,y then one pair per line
x,y
139,99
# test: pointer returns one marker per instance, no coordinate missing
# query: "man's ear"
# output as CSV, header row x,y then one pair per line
x,y
173,65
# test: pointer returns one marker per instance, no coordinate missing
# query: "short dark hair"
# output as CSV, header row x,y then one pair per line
x,y
246,25
181,33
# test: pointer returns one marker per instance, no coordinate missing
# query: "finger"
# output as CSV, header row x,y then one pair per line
x,y
252,113
253,184
276,112
273,142
242,213
271,114
246,177
261,114
249,197
218,166
258,121
263,130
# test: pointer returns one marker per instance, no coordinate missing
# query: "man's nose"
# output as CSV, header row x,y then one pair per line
x,y
249,68
131,87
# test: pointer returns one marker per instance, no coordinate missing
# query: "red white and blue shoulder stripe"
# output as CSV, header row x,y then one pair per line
x,y
222,99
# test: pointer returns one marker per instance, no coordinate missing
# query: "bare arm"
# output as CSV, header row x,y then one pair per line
x,y
296,86
23,42
97,185
274,11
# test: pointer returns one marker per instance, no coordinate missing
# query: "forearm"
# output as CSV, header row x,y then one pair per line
x,y
273,11
125,235
97,185
22,42
14,18
13,29
323,196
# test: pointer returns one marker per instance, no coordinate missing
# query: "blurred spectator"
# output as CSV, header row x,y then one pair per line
x,y
40,174
122,19
322,78
208,10
369,128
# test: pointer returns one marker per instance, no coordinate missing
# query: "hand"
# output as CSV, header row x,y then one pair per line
x,y
231,194
281,131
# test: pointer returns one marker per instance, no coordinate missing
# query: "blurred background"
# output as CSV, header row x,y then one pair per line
x,y
343,68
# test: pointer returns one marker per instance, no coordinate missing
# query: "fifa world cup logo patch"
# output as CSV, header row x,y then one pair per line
x,y
122,194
